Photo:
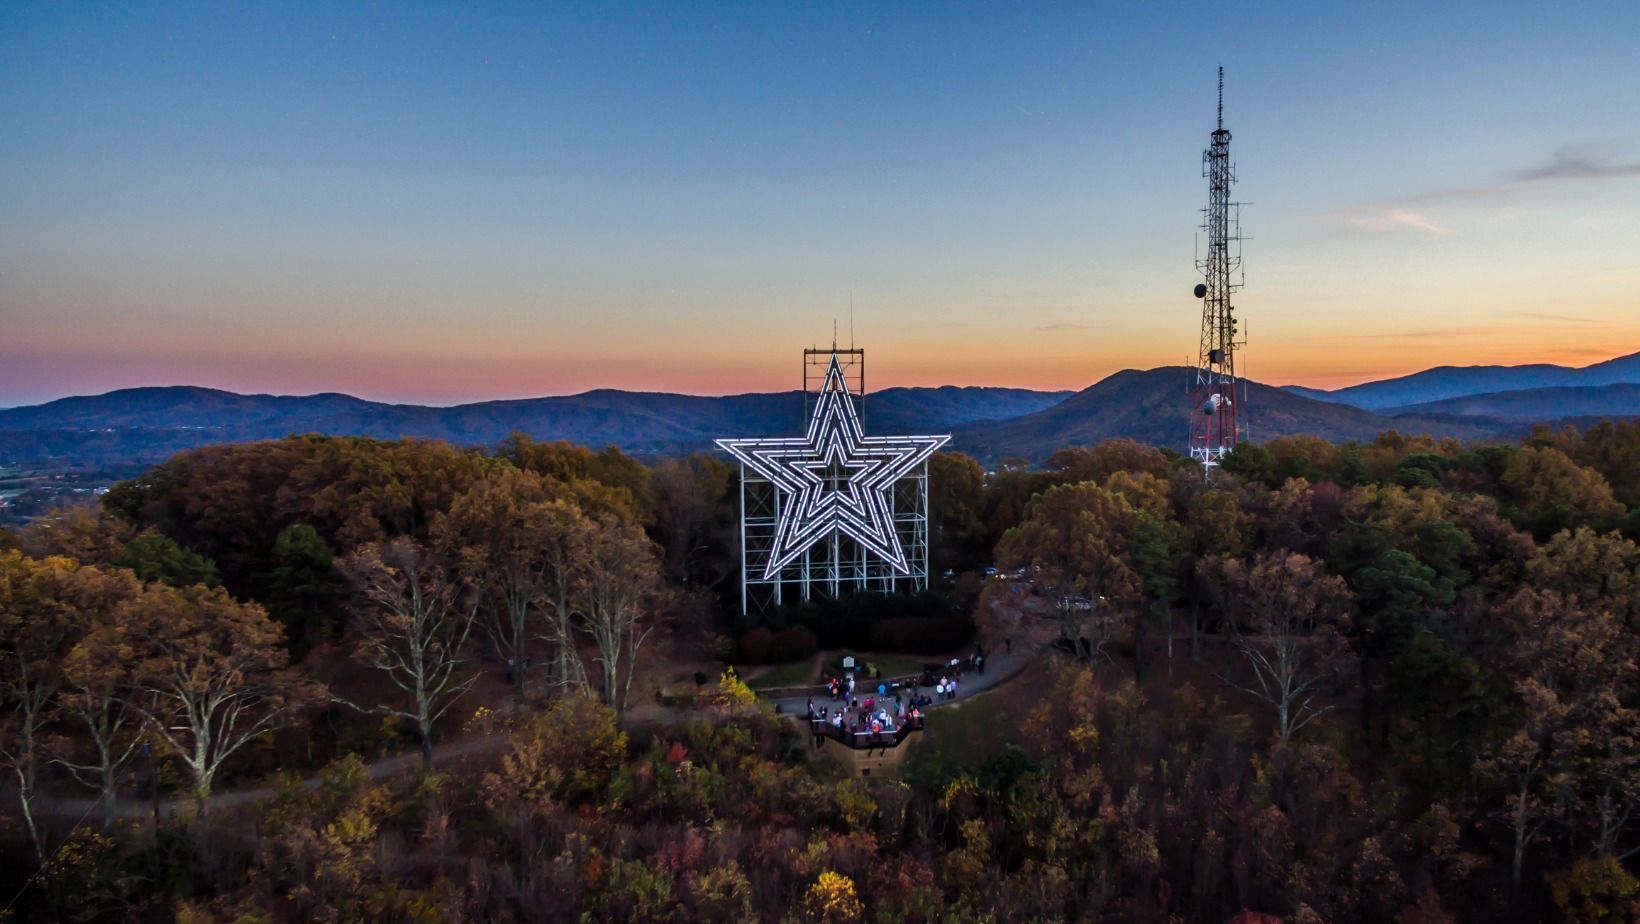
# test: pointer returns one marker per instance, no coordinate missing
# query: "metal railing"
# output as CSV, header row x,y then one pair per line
x,y
866,740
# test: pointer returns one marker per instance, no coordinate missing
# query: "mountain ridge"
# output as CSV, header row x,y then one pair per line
x,y
150,423
1152,406
1443,382
1617,399
145,425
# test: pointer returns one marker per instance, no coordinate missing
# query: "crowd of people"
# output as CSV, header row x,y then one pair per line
x,y
891,706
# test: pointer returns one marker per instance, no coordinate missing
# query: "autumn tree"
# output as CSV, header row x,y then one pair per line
x,y
605,482
620,579
694,519
1007,493
209,675
832,899
1288,623
1154,545
1077,535
1253,464
1549,492
1075,464
97,681
231,502
1612,448
956,508
1577,739
1598,569
497,532
413,626
568,536
1308,457
319,846
39,620
559,757
84,532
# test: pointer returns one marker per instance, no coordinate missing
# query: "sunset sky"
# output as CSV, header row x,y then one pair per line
x,y
422,203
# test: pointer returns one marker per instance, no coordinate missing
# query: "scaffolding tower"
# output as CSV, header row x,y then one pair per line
x,y
837,557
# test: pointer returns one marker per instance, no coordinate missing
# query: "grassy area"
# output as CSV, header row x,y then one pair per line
x,y
795,674
969,731
891,665
801,673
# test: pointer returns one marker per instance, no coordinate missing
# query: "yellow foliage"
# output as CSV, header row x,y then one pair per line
x,y
832,900
961,786
736,694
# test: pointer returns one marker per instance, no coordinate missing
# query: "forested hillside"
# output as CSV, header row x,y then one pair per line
x,y
1383,680
1151,405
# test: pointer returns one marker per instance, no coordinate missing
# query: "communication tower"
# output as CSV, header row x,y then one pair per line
x,y
1215,418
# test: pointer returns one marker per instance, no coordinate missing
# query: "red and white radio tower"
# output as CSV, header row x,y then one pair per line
x,y
1215,420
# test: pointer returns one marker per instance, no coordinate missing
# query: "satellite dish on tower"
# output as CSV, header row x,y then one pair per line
x,y
1201,290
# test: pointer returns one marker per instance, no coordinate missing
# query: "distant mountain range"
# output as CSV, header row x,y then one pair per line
x,y
1443,382
1620,400
139,426
142,425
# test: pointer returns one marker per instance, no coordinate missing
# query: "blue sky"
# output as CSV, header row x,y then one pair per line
x,y
425,203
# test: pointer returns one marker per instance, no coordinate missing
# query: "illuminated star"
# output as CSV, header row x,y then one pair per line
x,y
834,479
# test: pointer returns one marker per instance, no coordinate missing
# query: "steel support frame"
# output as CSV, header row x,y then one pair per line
x,y
834,568
838,567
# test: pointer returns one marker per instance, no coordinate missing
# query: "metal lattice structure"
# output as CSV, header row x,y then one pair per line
x,y
834,511
1215,420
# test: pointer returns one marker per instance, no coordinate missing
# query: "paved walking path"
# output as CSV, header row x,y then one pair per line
x,y
1000,666
49,805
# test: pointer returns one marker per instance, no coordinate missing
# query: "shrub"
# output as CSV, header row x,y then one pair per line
x,y
755,645
794,643
921,634
852,621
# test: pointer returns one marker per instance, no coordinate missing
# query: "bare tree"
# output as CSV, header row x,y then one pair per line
x,y
1287,619
566,544
414,628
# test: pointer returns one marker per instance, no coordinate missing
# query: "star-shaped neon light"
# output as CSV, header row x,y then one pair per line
x,y
834,478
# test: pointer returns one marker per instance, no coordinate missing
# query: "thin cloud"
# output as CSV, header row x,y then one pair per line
x,y
1568,163
1430,332
1556,318
1391,219
1580,352
1583,162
